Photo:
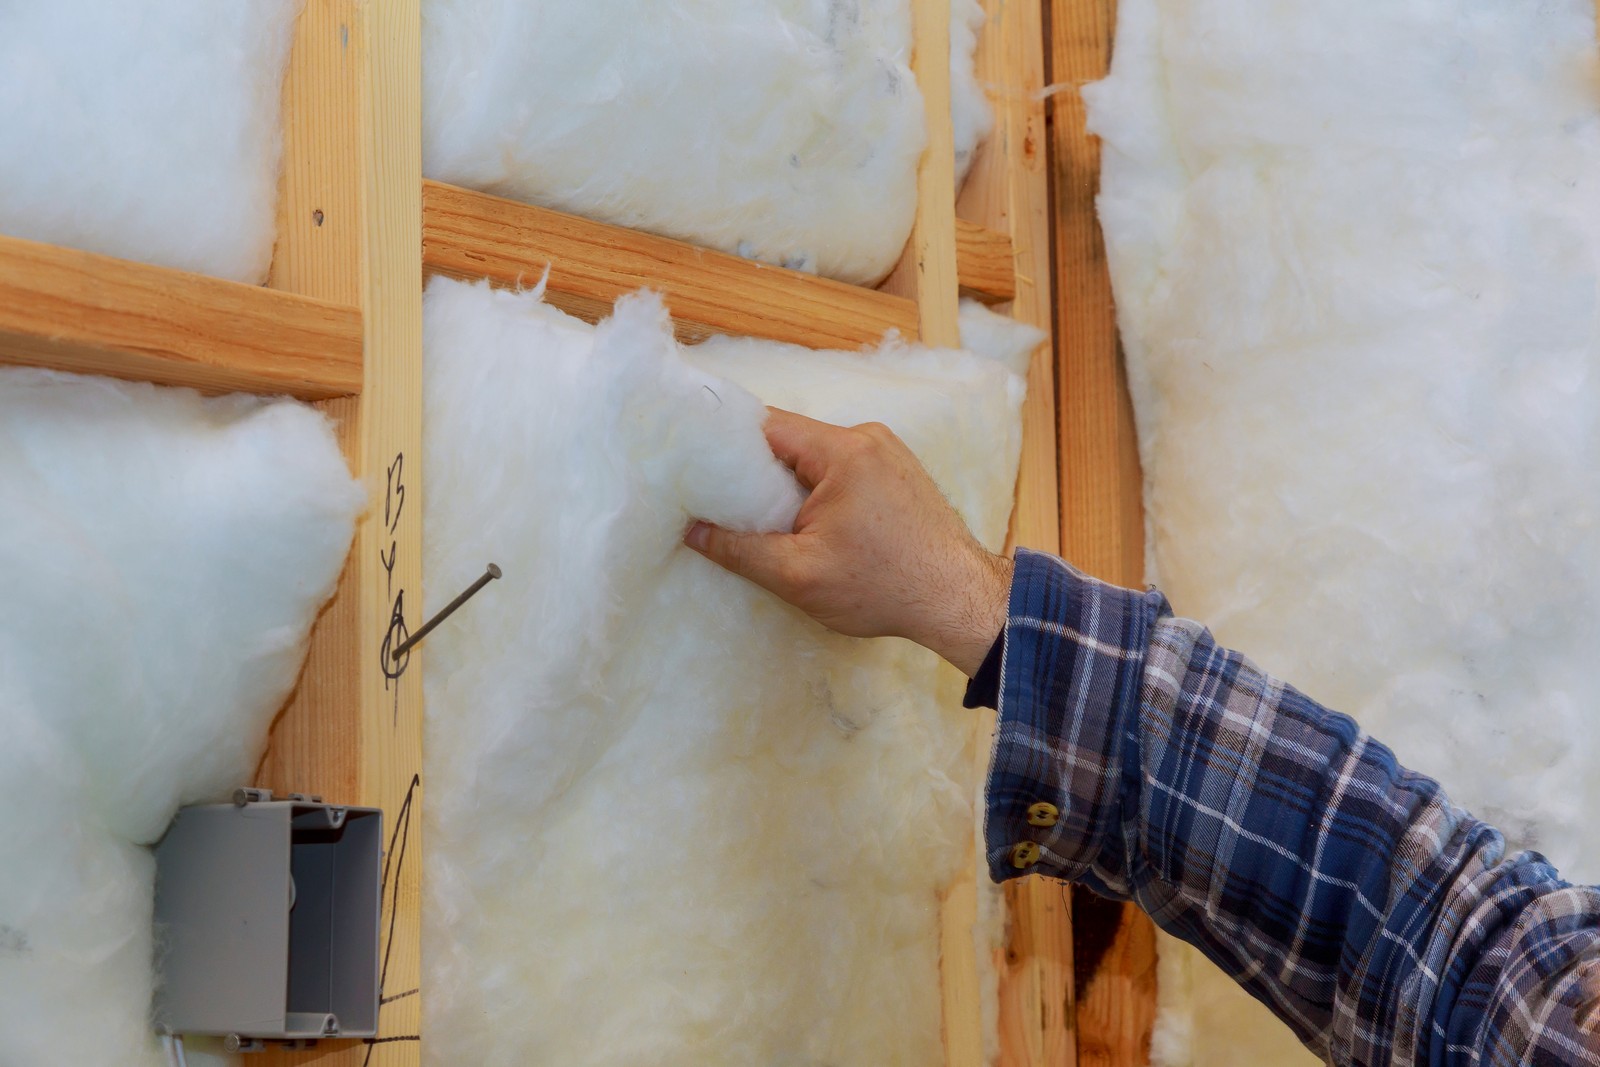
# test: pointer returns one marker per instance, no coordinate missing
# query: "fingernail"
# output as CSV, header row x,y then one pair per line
x,y
698,536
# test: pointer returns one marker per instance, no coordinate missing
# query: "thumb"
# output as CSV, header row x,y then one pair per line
x,y
755,556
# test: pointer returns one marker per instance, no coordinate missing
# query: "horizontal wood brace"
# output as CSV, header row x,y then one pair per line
x,y
472,235
986,266
91,314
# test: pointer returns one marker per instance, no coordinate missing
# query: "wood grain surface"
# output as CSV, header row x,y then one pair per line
x,y
927,272
472,235
350,229
1102,525
1008,191
985,258
92,314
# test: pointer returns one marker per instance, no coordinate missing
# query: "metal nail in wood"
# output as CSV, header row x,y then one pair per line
x,y
488,576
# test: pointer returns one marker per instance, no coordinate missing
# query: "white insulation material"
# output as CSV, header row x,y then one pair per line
x,y
784,130
148,131
1356,250
671,820
162,557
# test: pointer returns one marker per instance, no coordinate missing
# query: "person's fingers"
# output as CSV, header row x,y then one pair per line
x,y
801,444
756,556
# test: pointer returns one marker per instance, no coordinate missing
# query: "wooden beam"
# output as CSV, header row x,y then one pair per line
x,y
92,314
1114,948
927,272
1008,193
1102,487
927,276
350,217
1006,199
1101,491
985,260
472,235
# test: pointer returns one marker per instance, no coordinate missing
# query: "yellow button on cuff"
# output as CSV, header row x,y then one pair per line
x,y
1043,814
1024,854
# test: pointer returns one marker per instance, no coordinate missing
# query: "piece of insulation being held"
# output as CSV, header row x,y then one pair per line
x,y
720,833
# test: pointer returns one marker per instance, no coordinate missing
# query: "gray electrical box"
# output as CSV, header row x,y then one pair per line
x,y
267,920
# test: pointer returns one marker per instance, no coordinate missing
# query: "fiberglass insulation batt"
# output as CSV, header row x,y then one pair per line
x,y
1356,249
784,130
145,130
162,557
671,820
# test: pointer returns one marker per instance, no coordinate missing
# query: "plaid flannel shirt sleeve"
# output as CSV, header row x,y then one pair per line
x,y
1380,922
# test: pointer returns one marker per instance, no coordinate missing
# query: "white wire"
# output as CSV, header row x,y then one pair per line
x,y
173,1043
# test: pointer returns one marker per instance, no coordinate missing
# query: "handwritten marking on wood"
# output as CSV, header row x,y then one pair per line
x,y
349,227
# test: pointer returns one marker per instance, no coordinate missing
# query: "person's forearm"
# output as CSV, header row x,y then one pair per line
x,y
1379,921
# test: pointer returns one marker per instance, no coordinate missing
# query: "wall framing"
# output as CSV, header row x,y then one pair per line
x,y
349,228
1008,191
340,323
1102,490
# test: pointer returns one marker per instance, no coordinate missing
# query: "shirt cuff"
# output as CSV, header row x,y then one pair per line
x,y
1070,674
984,689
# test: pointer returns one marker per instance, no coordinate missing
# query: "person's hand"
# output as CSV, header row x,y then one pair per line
x,y
876,551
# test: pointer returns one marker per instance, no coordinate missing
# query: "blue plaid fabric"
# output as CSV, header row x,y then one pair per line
x,y
1379,921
